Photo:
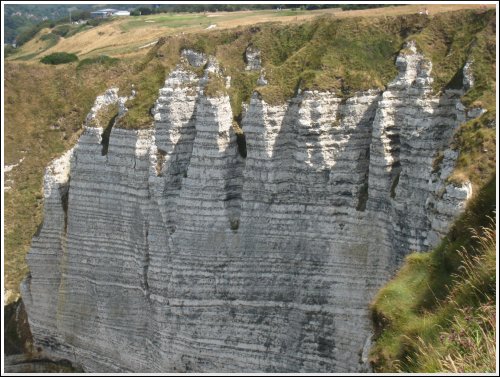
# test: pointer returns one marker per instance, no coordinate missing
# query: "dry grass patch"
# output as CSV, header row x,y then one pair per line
x,y
45,108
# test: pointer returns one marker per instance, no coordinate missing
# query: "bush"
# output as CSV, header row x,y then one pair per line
x,y
61,30
49,37
145,11
59,58
98,21
101,59
8,50
30,32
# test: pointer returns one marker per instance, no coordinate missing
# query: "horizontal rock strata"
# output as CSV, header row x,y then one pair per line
x,y
173,253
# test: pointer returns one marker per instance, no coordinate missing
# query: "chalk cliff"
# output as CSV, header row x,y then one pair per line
x,y
171,252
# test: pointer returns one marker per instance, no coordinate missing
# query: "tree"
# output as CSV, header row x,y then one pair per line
x,y
145,11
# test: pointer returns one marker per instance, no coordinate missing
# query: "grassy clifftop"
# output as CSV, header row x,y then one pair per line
x,y
345,55
438,313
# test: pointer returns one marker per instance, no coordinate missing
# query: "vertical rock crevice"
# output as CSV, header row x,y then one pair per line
x,y
363,161
64,195
241,140
107,134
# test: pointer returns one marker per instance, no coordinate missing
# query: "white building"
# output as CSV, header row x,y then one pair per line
x,y
104,13
121,13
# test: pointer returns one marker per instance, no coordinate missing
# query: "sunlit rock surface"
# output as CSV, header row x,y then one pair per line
x,y
172,253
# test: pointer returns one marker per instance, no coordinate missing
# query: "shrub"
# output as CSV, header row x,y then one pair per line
x,y
216,86
50,39
101,59
8,50
144,11
98,21
30,32
61,30
59,58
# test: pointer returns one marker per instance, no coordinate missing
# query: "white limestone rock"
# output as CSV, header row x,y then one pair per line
x,y
173,253
196,59
261,81
252,58
468,80
110,97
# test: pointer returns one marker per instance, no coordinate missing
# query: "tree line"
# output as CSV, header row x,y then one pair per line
x,y
197,8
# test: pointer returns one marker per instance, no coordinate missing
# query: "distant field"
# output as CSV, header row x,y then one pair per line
x,y
195,22
127,35
203,20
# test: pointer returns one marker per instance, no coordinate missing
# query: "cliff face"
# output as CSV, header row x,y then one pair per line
x,y
169,251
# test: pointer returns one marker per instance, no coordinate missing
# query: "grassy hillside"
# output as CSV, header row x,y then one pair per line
x,y
438,313
45,105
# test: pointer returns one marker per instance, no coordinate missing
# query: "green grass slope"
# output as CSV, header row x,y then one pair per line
x,y
438,313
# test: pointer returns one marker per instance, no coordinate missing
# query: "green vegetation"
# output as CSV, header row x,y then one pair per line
x,y
99,21
455,37
476,142
348,55
425,316
216,87
343,56
469,345
51,37
61,30
148,77
326,54
147,83
28,34
15,24
45,108
8,50
48,40
171,21
101,59
59,27
24,21
59,58
198,8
